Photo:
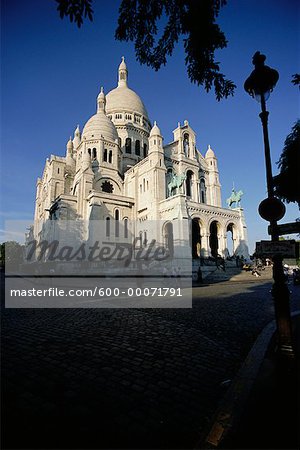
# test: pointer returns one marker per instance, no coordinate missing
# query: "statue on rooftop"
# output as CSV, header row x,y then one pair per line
x,y
235,198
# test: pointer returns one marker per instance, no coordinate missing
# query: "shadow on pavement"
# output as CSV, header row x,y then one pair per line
x,y
124,378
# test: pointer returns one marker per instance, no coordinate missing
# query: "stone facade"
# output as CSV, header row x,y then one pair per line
x,y
118,170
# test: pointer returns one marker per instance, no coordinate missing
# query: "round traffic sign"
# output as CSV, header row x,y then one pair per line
x,y
271,209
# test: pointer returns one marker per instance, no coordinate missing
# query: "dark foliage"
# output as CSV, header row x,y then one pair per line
x,y
296,79
192,20
287,184
75,10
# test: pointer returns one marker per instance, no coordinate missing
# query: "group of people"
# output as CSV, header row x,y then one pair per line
x,y
294,272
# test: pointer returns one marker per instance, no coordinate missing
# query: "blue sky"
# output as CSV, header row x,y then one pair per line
x,y
52,71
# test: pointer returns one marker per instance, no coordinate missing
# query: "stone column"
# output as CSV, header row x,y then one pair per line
x,y
221,243
198,199
205,250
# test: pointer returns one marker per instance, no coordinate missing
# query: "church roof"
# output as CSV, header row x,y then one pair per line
x,y
155,131
210,153
100,125
122,98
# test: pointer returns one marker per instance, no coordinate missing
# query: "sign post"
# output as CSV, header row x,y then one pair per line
x,y
287,249
285,228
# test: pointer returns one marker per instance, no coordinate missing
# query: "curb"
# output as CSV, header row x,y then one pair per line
x,y
232,405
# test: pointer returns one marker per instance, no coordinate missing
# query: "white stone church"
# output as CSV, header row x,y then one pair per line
x,y
118,171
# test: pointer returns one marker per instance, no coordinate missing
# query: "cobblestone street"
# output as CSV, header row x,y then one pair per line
x,y
134,378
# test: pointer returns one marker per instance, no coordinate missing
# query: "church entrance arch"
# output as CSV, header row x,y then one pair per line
x,y
230,238
230,231
213,238
196,238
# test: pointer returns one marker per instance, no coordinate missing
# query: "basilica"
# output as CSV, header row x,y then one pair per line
x,y
118,171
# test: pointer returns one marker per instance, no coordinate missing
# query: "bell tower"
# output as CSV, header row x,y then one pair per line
x,y
213,184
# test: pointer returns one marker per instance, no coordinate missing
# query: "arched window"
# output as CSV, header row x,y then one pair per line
x,y
125,228
137,147
110,156
94,153
107,226
89,151
105,154
189,183
145,150
145,239
117,223
128,145
202,191
168,237
186,144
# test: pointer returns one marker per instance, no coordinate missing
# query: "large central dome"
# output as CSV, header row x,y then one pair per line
x,y
122,98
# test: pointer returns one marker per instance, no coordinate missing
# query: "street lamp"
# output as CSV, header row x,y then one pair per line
x,y
259,85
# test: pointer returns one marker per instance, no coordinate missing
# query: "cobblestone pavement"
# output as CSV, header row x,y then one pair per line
x,y
134,378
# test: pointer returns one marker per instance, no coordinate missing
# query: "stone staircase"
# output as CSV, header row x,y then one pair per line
x,y
219,275
237,274
213,274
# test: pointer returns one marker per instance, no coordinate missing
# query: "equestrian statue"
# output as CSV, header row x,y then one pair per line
x,y
175,183
235,198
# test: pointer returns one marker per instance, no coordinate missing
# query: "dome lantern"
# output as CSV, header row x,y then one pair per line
x,y
101,101
123,99
123,73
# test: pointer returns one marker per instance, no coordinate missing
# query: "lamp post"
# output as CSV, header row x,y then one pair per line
x,y
259,85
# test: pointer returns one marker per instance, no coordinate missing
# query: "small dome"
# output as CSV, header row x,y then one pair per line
x,y
210,153
155,131
99,125
124,99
